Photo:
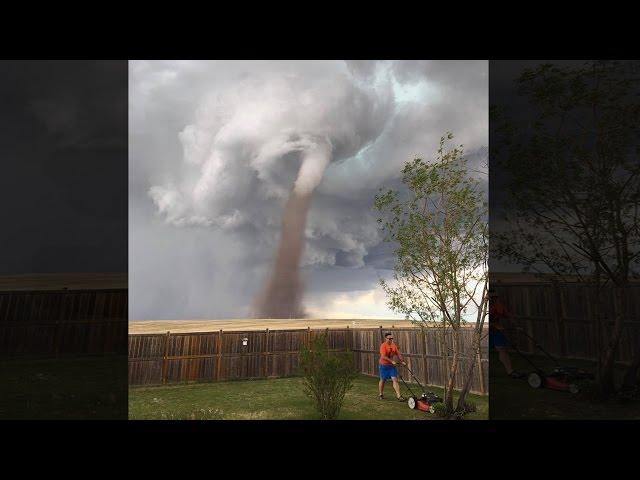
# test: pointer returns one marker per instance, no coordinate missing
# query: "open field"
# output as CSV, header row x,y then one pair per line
x,y
515,400
187,326
63,281
274,399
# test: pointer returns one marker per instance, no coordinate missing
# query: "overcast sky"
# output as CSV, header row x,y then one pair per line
x,y
504,94
209,173
63,144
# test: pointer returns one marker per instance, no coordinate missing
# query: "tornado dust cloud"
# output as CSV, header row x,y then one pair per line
x,y
282,297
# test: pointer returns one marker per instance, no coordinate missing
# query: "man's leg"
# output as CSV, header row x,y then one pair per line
x,y
396,386
505,359
380,387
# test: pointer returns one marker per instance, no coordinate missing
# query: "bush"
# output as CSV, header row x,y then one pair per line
x,y
470,407
440,410
629,394
327,376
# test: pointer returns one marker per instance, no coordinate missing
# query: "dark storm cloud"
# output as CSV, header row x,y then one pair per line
x,y
504,95
63,138
384,113
576,123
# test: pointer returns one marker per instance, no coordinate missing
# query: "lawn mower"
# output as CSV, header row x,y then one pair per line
x,y
423,402
561,378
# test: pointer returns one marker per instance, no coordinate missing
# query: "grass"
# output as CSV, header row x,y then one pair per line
x,y
66,388
515,400
273,399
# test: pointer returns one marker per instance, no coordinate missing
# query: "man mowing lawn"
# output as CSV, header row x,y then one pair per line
x,y
387,366
497,341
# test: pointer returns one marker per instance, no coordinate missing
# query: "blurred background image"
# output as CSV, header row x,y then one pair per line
x,y
63,281
565,240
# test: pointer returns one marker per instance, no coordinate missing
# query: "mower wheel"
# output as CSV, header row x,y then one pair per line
x,y
412,403
431,409
573,388
534,380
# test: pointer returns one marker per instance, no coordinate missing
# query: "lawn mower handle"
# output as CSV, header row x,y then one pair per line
x,y
412,375
522,355
538,346
406,385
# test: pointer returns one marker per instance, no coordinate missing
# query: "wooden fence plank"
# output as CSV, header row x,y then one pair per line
x,y
219,361
266,360
165,359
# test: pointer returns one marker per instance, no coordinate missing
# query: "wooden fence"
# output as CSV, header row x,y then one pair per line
x,y
56,322
227,355
560,318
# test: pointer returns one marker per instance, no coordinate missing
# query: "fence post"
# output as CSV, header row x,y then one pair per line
x,y
266,356
308,337
164,358
347,340
219,363
56,335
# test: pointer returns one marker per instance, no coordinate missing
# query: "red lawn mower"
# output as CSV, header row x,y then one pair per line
x,y
423,402
562,378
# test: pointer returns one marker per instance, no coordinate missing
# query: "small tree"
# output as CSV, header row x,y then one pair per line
x,y
328,376
440,228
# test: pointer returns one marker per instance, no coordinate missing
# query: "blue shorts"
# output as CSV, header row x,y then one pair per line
x,y
387,371
497,339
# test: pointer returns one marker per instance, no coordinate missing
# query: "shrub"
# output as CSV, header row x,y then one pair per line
x,y
470,407
440,410
629,394
327,376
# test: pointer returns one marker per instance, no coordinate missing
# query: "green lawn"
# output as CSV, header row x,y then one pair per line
x,y
273,399
515,400
70,388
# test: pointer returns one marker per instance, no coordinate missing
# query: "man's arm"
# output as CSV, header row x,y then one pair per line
x,y
383,355
496,314
506,322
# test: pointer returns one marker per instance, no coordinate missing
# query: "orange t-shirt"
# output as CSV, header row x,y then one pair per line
x,y
497,312
388,350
